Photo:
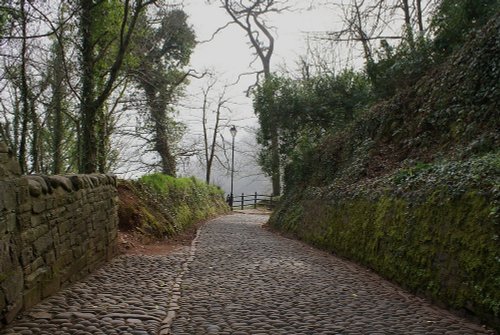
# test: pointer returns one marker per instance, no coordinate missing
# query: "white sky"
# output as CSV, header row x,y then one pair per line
x,y
229,55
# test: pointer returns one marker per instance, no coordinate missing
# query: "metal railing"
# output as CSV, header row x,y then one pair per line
x,y
253,201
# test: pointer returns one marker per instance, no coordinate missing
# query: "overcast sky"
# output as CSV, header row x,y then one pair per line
x,y
229,55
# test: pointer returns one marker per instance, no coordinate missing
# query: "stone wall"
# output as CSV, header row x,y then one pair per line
x,y
54,230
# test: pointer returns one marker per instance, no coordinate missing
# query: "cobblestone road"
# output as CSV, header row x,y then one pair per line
x,y
237,279
246,280
128,296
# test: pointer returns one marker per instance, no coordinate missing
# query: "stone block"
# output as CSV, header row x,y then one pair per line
x,y
35,278
8,223
43,243
23,194
51,286
32,296
61,181
28,236
73,272
77,181
65,246
78,196
94,180
8,201
37,264
38,205
13,309
12,285
62,261
78,251
24,207
54,233
61,200
34,188
36,220
50,203
9,167
50,257
40,180
24,220
3,301
27,256
5,259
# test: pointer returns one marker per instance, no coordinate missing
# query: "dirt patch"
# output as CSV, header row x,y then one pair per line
x,y
133,244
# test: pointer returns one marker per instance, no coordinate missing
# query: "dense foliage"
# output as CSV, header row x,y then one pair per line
x,y
161,52
67,82
455,19
410,187
304,110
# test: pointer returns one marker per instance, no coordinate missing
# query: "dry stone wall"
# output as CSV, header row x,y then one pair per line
x,y
54,230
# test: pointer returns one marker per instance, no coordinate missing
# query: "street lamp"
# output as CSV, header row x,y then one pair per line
x,y
233,132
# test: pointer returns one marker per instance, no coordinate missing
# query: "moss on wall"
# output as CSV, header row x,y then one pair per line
x,y
432,236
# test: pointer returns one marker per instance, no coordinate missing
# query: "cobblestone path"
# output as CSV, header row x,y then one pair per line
x,y
128,296
246,280
237,279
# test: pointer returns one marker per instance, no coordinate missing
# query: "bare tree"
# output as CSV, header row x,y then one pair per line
x,y
252,17
365,21
211,133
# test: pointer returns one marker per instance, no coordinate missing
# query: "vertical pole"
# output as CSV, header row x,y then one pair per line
x,y
231,197
255,201
242,200
271,204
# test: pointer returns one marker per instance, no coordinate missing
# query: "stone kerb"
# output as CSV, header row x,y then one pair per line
x,y
54,230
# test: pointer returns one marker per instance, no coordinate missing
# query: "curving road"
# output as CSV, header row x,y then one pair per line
x,y
237,278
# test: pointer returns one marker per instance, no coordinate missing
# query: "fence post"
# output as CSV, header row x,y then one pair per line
x,y
271,204
255,201
242,200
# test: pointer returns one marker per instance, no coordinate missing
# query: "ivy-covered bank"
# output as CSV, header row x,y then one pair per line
x,y
158,206
434,230
412,188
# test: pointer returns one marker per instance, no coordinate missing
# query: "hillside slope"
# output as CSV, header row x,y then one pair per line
x,y
159,207
412,189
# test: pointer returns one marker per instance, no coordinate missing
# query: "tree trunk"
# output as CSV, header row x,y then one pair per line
x,y
276,168
208,162
275,153
57,116
35,143
247,17
420,21
409,30
103,140
161,141
362,35
163,148
91,99
88,110
24,92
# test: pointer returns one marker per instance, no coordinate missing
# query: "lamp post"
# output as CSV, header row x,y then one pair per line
x,y
233,132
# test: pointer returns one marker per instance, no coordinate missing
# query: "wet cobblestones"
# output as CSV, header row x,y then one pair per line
x,y
237,279
246,280
128,296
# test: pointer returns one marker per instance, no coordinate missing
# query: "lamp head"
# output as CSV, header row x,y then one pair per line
x,y
233,131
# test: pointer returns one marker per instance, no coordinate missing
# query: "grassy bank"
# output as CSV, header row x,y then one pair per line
x,y
158,206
